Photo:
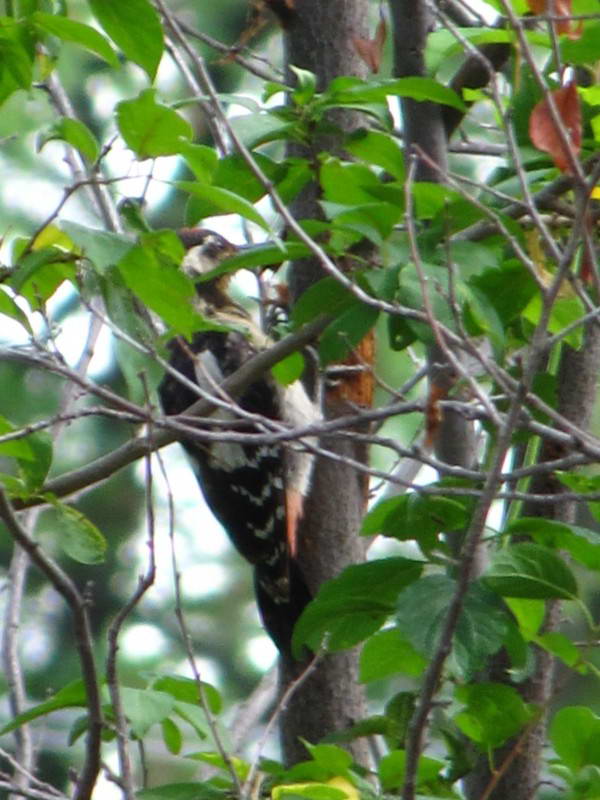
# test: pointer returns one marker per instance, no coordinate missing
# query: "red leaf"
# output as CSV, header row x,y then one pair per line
x,y
559,8
370,50
586,272
544,133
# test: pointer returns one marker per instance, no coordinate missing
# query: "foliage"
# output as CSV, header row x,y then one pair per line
x,y
494,262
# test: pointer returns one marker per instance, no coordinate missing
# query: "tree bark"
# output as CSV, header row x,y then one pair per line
x,y
319,38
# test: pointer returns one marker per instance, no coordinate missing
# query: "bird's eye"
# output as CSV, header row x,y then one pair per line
x,y
212,248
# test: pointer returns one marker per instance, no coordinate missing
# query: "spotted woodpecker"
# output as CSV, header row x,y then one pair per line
x,y
256,491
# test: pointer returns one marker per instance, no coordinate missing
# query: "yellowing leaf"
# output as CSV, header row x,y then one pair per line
x,y
344,784
52,236
310,790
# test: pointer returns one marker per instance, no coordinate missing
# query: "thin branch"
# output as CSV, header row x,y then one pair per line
x,y
112,676
232,53
42,786
285,698
83,640
106,465
79,169
187,643
565,139
419,721
251,710
13,670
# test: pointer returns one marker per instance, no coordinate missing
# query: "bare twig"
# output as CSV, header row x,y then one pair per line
x,y
187,643
83,640
112,676
285,698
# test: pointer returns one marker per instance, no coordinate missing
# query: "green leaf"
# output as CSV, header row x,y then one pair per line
x,y
16,66
187,691
392,770
218,761
443,44
71,696
494,712
370,726
75,133
144,708
421,89
561,647
260,255
101,248
480,318
582,544
431,198
583,50
149,128
39,274
388,653
70,30
288,369
78,536
135,27
575,735
14,486
398,714
184,791
355,604
194,716
530,615
121,309
227,202
140,370
330,757
328,296
347,184
400,334
414,516
235,174
15,448
530,570
377,148
373,220
509,288
565,310
9,308
296,174
583,484
410,293
585,784
172,736
346,331
422,609
34,470
163,288
202,160
259,128
306,85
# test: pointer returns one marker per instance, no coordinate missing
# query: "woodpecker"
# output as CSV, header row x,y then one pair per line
x,y
256,491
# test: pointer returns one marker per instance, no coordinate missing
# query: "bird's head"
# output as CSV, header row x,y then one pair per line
x,y
205,249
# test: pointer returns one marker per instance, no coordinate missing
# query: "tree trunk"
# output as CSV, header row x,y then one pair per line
x,y
319,38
